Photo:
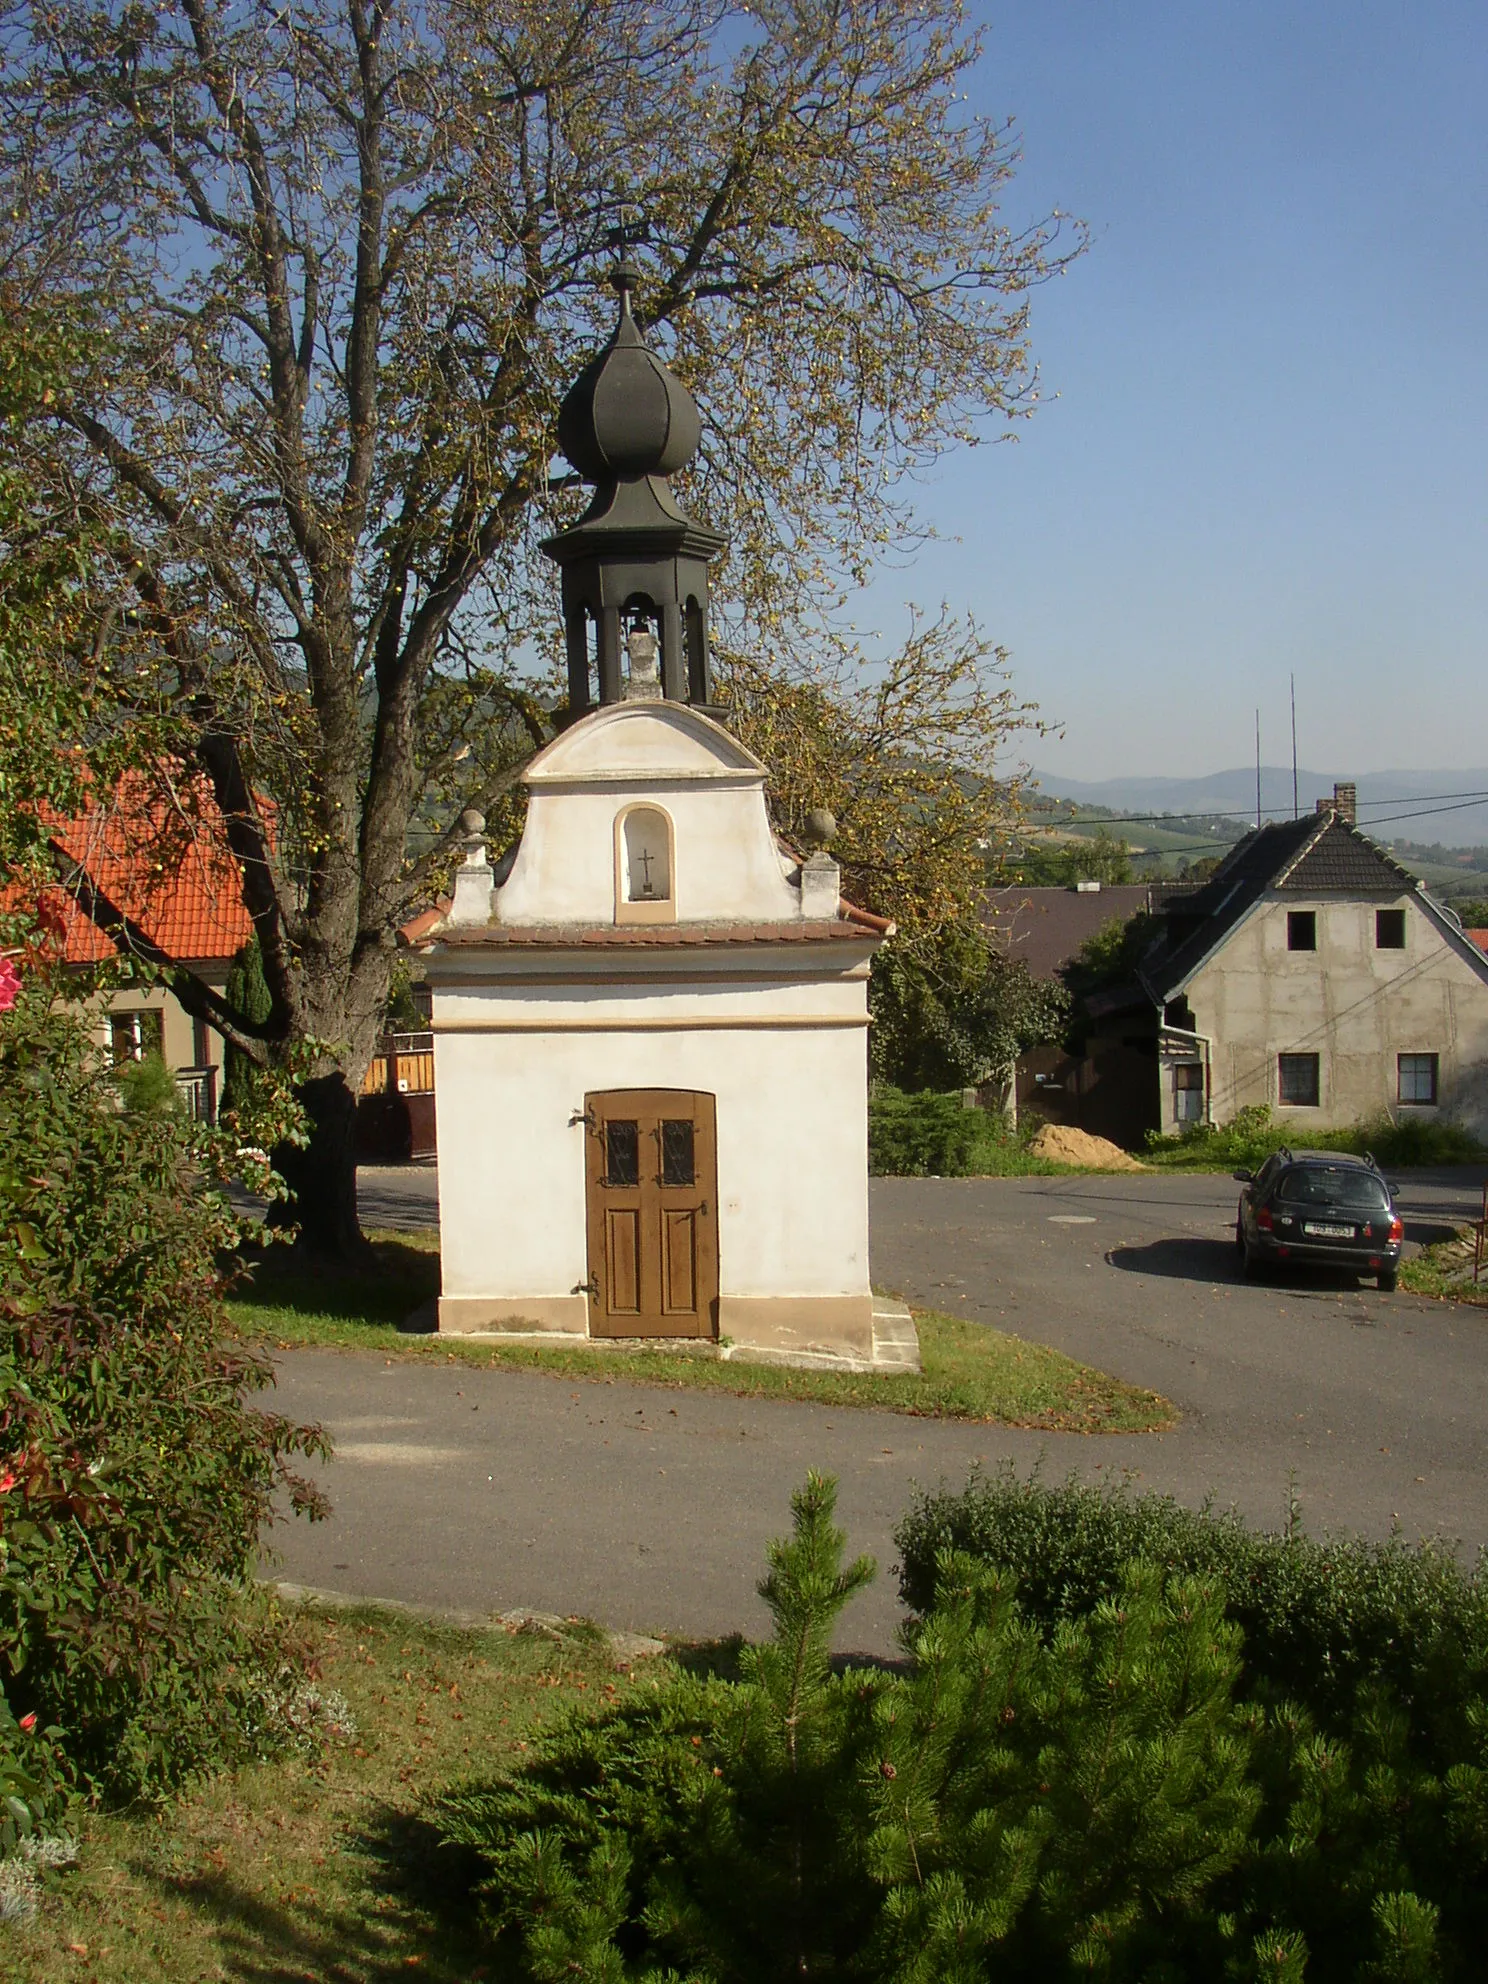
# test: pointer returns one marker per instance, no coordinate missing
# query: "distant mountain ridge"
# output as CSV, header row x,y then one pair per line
x,y
1429,797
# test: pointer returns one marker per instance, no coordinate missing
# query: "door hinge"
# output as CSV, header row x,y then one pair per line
x,y
584,1116
589,1288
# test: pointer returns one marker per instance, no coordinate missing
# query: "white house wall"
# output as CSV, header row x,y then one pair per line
x,y
1355,1006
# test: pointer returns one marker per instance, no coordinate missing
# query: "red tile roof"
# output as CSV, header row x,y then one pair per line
x,y
1479,937
652,936
161,859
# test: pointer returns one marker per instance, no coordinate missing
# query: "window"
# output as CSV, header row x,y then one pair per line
x,y
622,1153
1297,1080
676,1152
1301,929
1389,929
134,1035
1416,1078
1188,1092
1313,1185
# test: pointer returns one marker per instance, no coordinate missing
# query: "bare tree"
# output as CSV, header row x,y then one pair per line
x,y
331,266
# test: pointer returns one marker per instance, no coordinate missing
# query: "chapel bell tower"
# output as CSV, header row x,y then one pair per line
x,y
635,565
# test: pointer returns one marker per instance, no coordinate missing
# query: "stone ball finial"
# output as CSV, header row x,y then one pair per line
x,y
472,823
625,416
821,826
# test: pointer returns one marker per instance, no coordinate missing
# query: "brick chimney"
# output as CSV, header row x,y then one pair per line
x,y
1345,802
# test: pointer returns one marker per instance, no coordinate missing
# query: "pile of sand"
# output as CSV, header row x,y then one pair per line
x,y
1063,1145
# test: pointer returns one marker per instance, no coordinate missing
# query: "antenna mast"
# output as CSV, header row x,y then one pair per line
x,y
1294,746
1258,771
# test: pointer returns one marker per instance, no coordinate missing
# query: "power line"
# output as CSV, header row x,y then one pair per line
x,y
1427,800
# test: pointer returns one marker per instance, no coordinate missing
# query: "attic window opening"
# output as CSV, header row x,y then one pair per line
x,y
1389,929
1301,929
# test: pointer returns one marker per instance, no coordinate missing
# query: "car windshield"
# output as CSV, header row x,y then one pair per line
x,y
1314,1185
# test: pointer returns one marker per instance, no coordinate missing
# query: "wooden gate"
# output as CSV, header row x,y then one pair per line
x,y
651,1158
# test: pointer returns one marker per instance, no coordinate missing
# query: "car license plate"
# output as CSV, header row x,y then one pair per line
x,y
1329,1232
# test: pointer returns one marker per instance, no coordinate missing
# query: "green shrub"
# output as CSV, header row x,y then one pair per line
x,y
932,1135
1249,1138
147,1086
1022,1805
134,1474
1065,1783
1364,1678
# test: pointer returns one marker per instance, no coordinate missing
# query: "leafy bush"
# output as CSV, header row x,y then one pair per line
x,y
1066,1783
1249,1138
134,1475
937,1136
1321,1619
1364,1677
1023,1805
147,1086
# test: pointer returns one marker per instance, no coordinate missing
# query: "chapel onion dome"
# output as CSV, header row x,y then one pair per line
x,y
625,416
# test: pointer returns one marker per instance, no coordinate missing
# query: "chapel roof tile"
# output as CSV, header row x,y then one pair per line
x,y
646,936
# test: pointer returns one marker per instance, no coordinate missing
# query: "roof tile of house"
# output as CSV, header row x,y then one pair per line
x,y
1319,854
1045,928
166,869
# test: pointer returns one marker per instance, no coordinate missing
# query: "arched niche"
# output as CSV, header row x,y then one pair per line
x,y
645,866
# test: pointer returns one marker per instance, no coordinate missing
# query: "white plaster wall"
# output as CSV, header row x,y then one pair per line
x,y
1353,1005
728,869
792,1141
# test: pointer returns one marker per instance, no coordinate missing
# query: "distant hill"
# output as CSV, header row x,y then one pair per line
x,y
1429,798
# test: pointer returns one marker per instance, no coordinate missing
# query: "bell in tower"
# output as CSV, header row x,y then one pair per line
x,y
634,563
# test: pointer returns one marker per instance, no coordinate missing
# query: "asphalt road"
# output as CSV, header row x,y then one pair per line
x,y
650,1510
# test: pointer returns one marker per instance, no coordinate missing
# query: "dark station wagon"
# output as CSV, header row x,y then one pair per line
x,y
1319,1208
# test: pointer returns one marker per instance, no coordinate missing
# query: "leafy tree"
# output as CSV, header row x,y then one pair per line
x,y
954,1010
1107,959
337,266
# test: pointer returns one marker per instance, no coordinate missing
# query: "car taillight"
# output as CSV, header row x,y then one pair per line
x,y
1397,1230
1263,1219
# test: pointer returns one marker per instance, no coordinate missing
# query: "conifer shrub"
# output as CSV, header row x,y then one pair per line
x,y
1031,1798
135,1471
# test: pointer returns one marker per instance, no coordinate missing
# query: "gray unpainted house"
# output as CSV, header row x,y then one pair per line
x,y
1312,974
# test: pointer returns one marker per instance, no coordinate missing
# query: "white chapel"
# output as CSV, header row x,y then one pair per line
x,y
650,1017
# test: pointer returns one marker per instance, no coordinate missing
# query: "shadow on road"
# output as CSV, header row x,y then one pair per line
x,y
1189,1259
1195,1259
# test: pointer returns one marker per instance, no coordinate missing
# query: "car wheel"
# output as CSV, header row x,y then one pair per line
x,y
1239,1239
1250,1266
1386,1280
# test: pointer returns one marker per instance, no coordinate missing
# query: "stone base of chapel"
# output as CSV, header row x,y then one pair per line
x,y
811,1331
504,1315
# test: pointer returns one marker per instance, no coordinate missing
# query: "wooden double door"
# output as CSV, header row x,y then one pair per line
x,y
651,1169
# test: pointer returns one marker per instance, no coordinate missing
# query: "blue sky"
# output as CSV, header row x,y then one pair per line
x,y
1269,446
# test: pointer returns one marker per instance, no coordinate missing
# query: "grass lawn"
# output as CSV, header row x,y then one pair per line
x,y
1436,1270
970,1372
316,1867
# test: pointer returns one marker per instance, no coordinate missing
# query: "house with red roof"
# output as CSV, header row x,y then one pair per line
x,y
149,872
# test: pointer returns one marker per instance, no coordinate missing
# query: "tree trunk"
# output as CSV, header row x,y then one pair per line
x,y
322,1175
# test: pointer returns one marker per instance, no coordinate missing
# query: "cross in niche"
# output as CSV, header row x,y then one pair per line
x,y
645,857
